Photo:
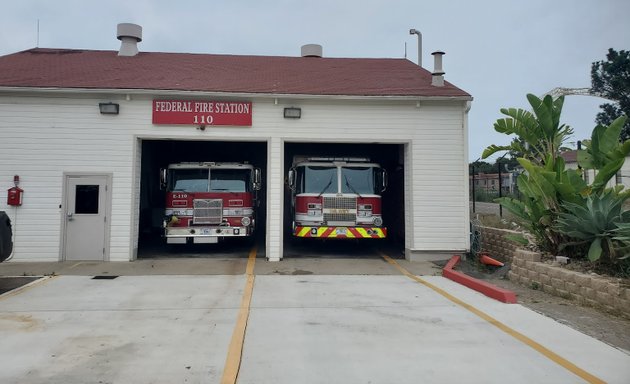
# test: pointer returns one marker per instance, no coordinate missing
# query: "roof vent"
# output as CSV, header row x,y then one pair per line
x,y
312,50
129,36
438,73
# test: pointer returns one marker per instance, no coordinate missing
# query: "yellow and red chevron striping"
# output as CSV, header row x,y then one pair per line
x,y
341,232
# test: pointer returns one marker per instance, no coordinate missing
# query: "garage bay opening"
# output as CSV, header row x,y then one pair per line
x,y
202,198
343,200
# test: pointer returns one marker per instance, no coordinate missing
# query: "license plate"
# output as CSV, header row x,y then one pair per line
x,y
341,231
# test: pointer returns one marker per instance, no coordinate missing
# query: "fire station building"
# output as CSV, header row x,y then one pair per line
x,y
85,133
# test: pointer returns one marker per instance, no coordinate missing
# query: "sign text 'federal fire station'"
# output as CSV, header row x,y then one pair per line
x,y
196,112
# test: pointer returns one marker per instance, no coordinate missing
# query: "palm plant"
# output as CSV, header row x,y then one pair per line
x,y
540,133
545,183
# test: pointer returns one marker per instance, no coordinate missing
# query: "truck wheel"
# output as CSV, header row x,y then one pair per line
x,y
6,237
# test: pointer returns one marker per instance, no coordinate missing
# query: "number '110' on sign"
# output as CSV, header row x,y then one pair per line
x,y
203,119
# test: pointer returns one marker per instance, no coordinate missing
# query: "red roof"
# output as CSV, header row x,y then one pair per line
x,y
70,68
569,156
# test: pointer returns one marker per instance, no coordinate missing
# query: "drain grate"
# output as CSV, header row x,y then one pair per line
x,y
9,283
104,277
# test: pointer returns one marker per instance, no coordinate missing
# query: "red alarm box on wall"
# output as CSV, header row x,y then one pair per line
x,y
14,196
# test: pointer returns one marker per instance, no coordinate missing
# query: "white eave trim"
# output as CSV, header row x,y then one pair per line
x,y
246,95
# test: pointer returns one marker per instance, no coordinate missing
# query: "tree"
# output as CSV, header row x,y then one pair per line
x,y
611,79
483,167
507,163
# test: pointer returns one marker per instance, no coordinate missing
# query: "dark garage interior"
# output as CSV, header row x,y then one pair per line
x,y
158,154
390,157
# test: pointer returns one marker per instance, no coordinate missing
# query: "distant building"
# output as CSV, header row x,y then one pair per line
x,y
622,177
489,182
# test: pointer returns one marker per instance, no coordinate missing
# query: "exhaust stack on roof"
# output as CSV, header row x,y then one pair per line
x,y
312,50
438,73
129,35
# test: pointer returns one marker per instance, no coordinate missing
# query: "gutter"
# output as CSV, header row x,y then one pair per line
x,y
248,95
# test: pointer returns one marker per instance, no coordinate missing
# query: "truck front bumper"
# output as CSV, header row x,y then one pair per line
x,y
341,232
200,235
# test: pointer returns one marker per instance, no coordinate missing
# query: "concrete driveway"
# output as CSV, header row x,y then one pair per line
x,y
300,326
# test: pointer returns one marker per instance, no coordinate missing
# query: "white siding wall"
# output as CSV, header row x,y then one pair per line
x,y
625,173
42,137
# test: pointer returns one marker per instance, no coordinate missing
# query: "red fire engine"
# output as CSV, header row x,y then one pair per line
x,y
337,197
206,202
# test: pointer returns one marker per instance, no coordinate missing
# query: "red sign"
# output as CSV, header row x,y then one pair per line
x,y
195,112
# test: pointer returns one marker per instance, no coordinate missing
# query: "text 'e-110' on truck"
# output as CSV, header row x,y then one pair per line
x,y
337,198
209,201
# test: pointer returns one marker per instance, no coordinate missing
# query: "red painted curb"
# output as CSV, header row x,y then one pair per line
x,y
503,295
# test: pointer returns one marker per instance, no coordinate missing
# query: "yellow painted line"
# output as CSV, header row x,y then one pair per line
x,y
235,350
26,287
512,332
76,265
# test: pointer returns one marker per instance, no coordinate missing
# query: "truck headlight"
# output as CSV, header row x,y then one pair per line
x,y
246,221
378,221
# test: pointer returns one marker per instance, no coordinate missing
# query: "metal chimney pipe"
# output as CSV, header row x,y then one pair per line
x,y
438,73
416,32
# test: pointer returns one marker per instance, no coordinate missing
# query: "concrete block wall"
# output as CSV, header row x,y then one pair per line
x,y
494,242
590,290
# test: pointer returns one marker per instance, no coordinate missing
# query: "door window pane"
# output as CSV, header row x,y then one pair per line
x,y
86,199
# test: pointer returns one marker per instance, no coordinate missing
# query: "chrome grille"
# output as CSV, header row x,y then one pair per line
x,y
340,209
207,211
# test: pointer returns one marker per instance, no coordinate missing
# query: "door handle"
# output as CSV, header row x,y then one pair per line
x,y
69,216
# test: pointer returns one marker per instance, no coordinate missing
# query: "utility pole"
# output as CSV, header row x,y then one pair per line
x,y
500,184
473,186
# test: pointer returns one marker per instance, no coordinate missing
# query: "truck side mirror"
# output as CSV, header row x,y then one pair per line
x,y
383,180
291,179
257,179
162,178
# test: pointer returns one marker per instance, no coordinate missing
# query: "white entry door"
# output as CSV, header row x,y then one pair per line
x,y
86,221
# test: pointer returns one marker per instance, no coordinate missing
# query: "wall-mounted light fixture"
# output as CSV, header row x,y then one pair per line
x,y
292,113
109,108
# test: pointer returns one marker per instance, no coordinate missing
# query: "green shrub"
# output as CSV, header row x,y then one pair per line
x,y
600,223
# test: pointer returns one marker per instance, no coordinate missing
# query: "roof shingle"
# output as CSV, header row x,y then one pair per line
x,y
91,69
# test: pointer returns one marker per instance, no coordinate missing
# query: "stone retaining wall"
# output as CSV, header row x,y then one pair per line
x,y
493,242
527,269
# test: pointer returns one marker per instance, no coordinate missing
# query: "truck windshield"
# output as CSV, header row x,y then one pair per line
x,y
317,179
231,180
188,180
221,180
359,180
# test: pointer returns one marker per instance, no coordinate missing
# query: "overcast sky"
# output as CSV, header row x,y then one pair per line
x,y
498,51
